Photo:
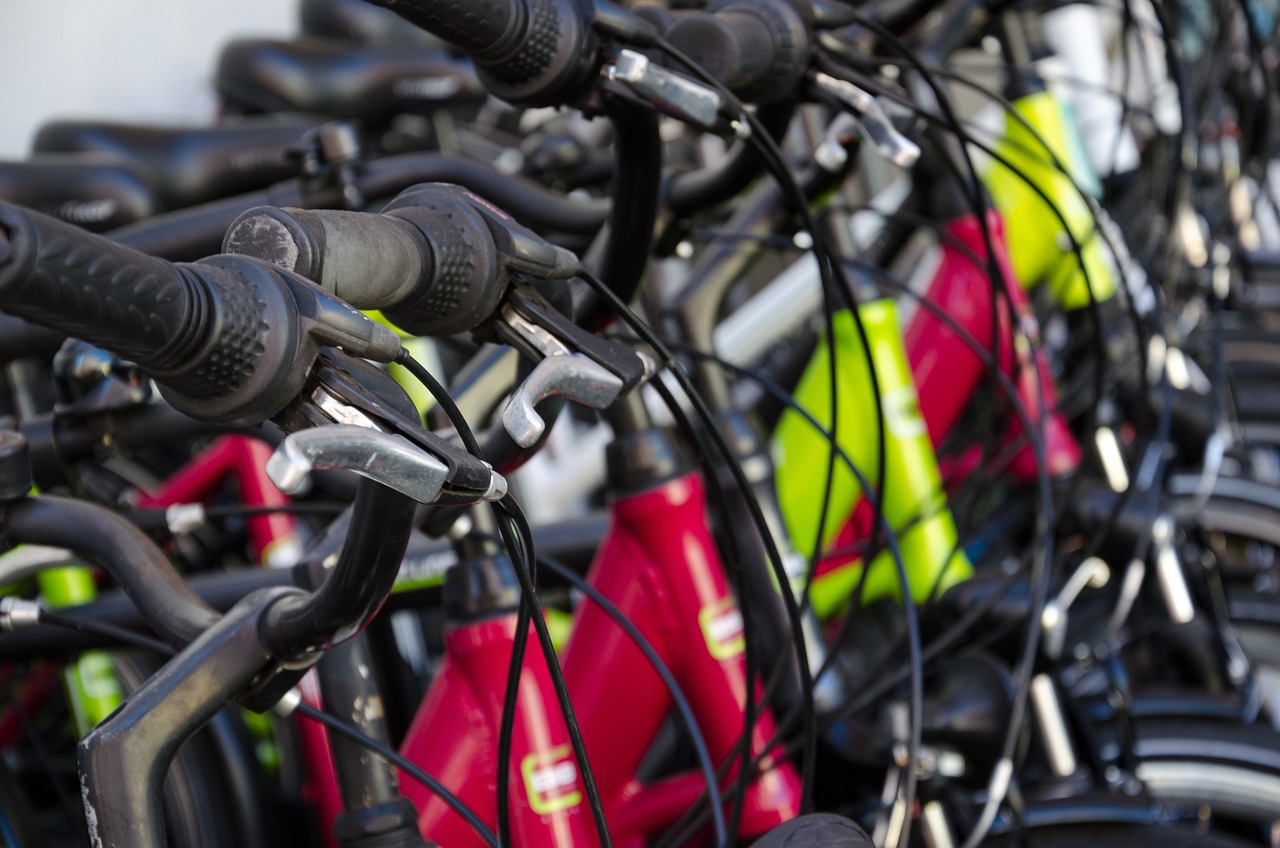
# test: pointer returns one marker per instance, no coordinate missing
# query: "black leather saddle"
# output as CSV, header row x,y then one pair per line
x,y
341,80
92,191
361,22
189,165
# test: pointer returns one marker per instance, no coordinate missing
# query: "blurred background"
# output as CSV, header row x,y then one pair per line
x,y
145,60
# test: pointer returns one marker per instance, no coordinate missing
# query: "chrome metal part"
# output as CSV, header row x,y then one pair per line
x,y
387,459
673,93
572,376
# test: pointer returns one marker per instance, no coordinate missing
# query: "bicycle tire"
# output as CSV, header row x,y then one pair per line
x,y
1112,835
1209,772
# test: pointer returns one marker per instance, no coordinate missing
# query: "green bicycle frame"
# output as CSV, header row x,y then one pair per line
x,y
1039,245
93,689
913,501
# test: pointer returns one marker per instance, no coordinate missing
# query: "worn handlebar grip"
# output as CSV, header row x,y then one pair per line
x,y
430,262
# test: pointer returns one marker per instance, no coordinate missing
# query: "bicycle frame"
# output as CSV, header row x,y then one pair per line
x,y
946,370
658,563
273,535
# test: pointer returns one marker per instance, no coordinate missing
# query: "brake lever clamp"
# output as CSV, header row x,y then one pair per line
x,y
572,363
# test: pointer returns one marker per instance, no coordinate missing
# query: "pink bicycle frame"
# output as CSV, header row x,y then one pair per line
x,y
947,369
658,563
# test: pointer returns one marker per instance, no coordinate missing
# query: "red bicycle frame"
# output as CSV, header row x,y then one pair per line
x,y
947,369
658,563
272,534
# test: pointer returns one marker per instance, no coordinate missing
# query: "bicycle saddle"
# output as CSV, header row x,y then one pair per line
x,y
368,84
188,165
362,23
85,189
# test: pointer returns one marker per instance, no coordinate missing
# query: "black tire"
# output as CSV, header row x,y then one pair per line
x,y
1220,775
1113,835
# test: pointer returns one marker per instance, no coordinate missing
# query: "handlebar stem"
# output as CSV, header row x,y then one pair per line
x,y
299,626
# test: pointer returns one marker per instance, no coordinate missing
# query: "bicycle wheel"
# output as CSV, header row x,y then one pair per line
x,y
1114,835
1217,775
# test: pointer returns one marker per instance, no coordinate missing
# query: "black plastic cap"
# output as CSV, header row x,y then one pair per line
x,y
480,587
15,466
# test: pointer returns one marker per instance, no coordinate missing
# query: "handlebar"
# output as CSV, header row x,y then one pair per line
x,y
529,52
145,574
196,232
759,49
230,339
436,260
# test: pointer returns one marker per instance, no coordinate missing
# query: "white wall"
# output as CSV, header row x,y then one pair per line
x,y
123,59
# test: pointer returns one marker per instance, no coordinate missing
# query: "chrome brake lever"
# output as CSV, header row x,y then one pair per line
x,y
572,364
674,94
382,457
569,375
869,118
562,372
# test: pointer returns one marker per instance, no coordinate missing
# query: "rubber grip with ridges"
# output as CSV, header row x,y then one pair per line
x,y
537,51
199,330
463,282
483,28
57,275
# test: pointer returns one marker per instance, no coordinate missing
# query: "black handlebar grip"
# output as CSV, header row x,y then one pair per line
x,y
759,49
218,336
428,261
134,305
482,28
534,52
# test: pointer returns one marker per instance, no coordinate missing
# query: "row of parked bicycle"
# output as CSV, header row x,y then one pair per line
x,y
565,423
